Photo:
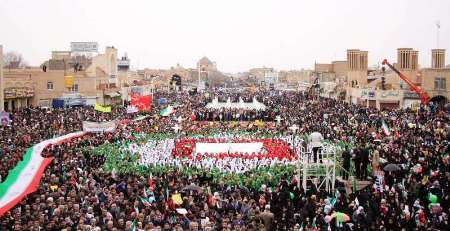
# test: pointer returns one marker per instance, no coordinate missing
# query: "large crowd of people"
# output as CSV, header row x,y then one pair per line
x,y
75,193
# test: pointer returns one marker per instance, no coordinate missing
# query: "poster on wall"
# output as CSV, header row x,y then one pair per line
x,y
68,81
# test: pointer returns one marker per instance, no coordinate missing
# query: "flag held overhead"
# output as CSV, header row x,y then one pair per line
x,y
167,111
101,108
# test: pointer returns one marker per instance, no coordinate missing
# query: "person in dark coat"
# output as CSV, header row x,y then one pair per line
x,y
357,161
364,161
346,163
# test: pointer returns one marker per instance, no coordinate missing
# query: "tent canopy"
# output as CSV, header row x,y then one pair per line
x,y
254,105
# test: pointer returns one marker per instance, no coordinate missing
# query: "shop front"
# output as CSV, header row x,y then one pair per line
x,y
389,105
410,100
17,98
389,99
112,98
368,97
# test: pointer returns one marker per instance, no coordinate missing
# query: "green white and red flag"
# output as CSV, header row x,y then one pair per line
x,y
24,178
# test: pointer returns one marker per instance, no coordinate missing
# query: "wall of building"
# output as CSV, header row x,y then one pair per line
x,y
106,62
259,73
293,77
2,85
429,76
359,78
323,67
60,55
376,98
39,81
18,91
340,68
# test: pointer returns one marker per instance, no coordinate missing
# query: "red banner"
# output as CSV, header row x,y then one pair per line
x,y
142,103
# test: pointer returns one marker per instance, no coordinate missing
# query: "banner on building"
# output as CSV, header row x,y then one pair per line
x,y
68,81
4,118
84,46
99,127
142,103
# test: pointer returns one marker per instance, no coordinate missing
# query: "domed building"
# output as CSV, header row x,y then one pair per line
x,y
204,64
208,75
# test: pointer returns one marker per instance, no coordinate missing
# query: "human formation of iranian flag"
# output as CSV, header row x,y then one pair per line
x,y
232,155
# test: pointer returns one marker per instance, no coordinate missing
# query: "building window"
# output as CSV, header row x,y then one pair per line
x,y
75,88
49,85
439,83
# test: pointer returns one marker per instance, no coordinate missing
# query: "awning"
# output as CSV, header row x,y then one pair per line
x,y
389,101
112,94
75,102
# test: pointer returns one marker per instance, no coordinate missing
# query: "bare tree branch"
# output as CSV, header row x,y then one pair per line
x,y
13,60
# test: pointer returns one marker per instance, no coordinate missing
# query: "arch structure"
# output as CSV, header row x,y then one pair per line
x,y
439,99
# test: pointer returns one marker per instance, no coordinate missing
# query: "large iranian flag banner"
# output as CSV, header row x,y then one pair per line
x,y
25,177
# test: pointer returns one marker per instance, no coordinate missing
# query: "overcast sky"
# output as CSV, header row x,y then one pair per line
x,y
237,34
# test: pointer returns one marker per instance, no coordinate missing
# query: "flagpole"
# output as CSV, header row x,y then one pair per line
x,y
438,27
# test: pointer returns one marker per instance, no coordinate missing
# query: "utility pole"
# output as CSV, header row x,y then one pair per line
x,y
198,86
2,86
438,25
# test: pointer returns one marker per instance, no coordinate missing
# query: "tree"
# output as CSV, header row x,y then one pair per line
x,y
13,60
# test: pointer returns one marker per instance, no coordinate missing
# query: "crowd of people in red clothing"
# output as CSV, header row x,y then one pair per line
x,y
272,148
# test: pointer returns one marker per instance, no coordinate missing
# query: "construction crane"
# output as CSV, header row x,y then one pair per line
x,y
424,97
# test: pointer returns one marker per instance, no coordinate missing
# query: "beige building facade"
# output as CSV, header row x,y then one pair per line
x,y
357,65
293,77
433,80
2,84
332,78
93,80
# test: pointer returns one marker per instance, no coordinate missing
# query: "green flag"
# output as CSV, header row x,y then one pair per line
x,y
133,226
354,185
145,201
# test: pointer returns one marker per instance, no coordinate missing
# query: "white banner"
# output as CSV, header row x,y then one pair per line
x,y
99,127
132,109
84,46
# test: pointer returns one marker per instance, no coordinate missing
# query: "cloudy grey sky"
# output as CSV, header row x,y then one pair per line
x,y
237,34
